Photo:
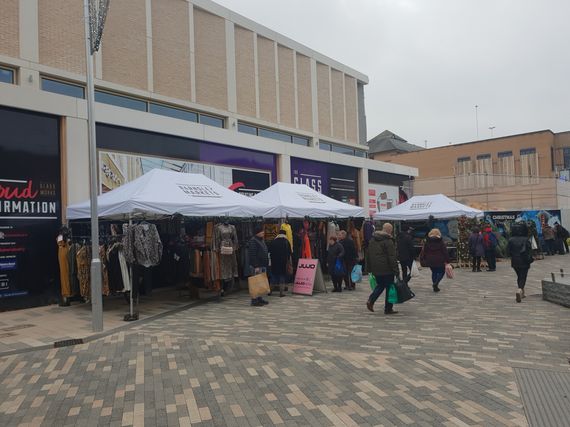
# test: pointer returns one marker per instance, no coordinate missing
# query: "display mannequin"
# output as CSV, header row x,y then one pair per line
x,y
225,244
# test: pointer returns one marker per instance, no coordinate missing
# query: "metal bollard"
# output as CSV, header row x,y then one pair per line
x,y
561,272
553,278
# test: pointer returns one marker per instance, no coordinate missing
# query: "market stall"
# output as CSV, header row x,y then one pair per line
x,y
310,219
179,224
435,211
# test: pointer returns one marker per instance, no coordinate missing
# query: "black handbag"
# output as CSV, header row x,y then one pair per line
x,y
404,291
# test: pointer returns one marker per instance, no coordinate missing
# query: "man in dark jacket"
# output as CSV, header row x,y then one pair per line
x,y
258,258
280,251
406,252
520,251
350,259
381,261
561,236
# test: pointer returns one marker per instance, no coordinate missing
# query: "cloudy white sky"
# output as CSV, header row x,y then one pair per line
x,y
431,61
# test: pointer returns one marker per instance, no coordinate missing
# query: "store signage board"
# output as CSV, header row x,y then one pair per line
x,y
309,277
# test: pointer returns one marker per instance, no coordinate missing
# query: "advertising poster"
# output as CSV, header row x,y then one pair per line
x,y
337,182
504,219
116,169
382,197
30,207
309,277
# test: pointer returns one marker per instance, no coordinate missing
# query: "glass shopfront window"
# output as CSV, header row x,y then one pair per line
x,y
6,75
63,88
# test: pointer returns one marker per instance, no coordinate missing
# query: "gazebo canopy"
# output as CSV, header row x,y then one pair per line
x,y
162,193
422,207
299,201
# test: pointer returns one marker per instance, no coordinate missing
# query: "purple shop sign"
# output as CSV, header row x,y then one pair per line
x,y
230,156
312,174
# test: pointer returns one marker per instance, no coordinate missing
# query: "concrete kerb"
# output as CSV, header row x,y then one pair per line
x,y
127,325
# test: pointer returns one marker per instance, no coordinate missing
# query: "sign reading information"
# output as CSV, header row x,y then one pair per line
x,y
309,277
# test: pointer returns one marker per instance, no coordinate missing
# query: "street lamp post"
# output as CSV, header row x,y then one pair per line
x,y
94,13
477,120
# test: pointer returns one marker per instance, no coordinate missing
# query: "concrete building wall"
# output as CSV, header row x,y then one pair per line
x,y
245,72
124,48
211,76
324,99
267,79
437,162
61,35
304,97
10,28
286,87
171,49
351,108
338,110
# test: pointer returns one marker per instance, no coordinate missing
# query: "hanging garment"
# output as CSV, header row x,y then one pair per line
x,y
72,262
104,270
143,245
288,233
225,245
62,255
125,273
84,270
114,268
306,246
368,231
331,231
209,233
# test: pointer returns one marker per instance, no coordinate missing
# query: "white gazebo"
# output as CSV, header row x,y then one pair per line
x,y
420,208
299,201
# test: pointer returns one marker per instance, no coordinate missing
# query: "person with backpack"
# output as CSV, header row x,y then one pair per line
x,y
476,248
520,251
490,243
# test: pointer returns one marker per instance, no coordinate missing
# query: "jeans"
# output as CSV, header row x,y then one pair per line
x,y
491,258
382,282
476,263
550,246
522,272
437,274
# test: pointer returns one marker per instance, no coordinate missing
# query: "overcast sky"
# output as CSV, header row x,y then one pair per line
x,y
431,61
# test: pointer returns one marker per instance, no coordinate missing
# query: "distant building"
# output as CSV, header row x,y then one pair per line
x,y
525,171
388,143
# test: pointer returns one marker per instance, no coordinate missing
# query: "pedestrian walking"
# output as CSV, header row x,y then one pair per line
x,y
350,259
549,236
381,260
258,258
561,237
406,255
435,256
335,263
520,251
476,248
280,252
490,243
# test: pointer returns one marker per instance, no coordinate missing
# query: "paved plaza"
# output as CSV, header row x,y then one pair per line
x,y
451,359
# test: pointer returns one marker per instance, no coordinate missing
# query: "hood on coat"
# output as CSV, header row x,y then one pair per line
x,y
381,235
281,236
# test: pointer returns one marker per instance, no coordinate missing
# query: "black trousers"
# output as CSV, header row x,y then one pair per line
x,y
406,269
348,266
491,259
522,273
337,281
476,263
